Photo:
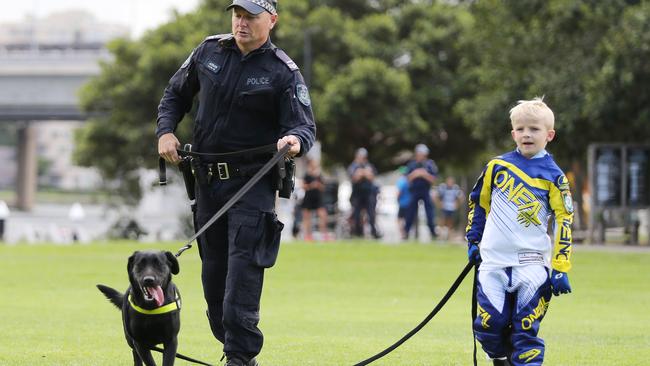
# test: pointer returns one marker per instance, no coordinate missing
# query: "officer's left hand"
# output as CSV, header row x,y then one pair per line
x,y
560,283
291,140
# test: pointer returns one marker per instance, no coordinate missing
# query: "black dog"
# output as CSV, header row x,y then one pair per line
x,y
150,307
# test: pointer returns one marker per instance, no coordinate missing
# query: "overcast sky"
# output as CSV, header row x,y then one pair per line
x,y
138,15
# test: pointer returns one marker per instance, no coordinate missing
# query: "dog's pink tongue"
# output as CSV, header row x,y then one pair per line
x,y
157,294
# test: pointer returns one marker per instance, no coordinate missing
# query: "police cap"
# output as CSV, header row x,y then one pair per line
x,y
256,6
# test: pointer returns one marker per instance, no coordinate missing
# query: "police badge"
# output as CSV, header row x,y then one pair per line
x,y
303,94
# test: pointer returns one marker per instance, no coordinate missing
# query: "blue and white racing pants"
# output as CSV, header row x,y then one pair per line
x,y
512,302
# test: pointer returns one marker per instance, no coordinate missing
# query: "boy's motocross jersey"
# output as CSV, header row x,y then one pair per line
x,y
509,211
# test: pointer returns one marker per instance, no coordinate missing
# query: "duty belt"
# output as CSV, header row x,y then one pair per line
x,y
224,170
222,166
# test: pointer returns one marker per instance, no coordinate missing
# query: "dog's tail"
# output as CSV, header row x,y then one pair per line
x,y
112,295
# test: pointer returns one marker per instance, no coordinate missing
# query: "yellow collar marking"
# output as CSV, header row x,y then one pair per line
x,y
172,306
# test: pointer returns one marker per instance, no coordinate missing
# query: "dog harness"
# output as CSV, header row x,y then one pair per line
x,y
172,306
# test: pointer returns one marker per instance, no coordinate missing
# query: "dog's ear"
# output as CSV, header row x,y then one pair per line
x,y
173,262
129,265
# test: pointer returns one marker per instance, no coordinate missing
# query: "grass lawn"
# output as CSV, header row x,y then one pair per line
x,y
333,304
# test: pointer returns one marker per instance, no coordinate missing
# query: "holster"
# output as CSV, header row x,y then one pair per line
x,y
185,166
284,177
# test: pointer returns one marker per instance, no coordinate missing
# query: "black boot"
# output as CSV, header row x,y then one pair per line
x,y
501,362
238,362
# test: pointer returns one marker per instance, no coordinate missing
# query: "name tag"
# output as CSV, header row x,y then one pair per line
x,y
531,258
213,67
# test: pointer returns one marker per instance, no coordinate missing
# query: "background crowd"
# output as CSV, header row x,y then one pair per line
x,y
419,190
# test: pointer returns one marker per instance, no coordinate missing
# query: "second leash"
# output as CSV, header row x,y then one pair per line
x,y
424,322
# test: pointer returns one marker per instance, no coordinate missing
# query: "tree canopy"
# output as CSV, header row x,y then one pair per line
x,y
388,74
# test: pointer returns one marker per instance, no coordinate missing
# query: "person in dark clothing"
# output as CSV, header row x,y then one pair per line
x,y
250,95
364,193
314,186
421,173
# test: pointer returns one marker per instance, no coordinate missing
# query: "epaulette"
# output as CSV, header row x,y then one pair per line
x,y
286,59
219,37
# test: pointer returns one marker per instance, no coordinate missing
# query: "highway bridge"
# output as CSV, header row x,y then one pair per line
x,y
37,85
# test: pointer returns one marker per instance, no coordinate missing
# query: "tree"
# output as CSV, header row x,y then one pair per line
x,y
557,49
433,56
539,48
368,104
125,96
618,94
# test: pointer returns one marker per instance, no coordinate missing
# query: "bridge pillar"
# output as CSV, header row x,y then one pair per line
x,y
26,179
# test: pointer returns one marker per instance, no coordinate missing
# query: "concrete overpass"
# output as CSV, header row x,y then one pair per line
x,y
41,85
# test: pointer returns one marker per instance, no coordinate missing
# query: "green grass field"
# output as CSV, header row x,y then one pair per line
x,y
333,304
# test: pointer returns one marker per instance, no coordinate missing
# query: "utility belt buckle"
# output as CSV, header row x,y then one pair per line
x,y
222,170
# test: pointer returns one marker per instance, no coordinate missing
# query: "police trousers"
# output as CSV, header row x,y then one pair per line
x,y
361,202
234,252
412,211
511,304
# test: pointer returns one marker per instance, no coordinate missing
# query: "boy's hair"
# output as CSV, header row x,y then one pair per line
x,y
534,109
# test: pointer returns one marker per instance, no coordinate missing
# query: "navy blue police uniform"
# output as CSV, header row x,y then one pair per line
x,y
420,191
244,101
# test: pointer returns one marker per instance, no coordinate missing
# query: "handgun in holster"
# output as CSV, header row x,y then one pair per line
x,y
185,166
283,177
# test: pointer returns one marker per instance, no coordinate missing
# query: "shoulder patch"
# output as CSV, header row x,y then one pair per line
x,y
567,200
562,183
286,59
303,94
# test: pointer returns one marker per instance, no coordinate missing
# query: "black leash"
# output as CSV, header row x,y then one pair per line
x,y
474,310
183,357
424,322
242,191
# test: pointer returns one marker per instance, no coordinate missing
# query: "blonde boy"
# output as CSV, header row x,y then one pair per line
x,y
509,210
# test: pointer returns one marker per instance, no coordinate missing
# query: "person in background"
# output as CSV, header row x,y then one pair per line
x,y
403,199
364,192
449,197
313,201
421,173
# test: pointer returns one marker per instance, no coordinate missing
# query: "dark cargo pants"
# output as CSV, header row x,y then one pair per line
x,y
234,251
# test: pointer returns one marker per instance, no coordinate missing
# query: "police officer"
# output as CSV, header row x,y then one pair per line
x,y
250,94
421,173
364,192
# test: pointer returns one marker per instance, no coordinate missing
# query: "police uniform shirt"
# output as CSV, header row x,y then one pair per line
x,y
244,101
510,207
421,184
362,186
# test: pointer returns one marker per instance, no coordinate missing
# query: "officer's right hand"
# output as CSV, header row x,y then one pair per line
x,y
167,145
